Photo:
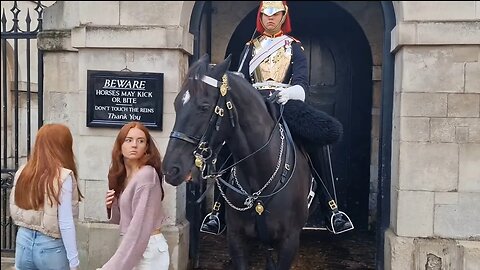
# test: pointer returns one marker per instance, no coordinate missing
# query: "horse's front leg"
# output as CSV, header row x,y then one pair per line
x,y
238,250
287,251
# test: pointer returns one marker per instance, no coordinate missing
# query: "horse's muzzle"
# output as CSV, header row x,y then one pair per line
x,y
174,177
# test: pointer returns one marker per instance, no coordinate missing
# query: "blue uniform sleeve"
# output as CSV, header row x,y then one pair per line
x,y
299,67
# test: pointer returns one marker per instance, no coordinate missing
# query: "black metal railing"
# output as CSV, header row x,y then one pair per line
x,y
8,230
18,93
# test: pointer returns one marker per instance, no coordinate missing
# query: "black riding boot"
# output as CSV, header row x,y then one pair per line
x,y
336,221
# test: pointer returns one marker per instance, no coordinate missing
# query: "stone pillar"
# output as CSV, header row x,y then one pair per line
x,y
113,35
435,222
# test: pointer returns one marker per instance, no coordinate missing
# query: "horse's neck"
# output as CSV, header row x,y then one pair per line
x,y
255,126
254,121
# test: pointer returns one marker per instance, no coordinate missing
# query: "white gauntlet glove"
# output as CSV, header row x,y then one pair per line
x,y
293,92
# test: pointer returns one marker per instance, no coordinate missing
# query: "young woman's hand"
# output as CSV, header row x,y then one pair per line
x,y
110,198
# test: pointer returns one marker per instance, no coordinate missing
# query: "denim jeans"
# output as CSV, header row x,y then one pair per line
x,y
35,250
156,256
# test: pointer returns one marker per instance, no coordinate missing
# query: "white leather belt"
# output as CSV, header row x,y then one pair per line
x,y
269,85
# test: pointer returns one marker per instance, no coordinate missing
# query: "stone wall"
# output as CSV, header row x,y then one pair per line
x,y
436,125
436,137
143,37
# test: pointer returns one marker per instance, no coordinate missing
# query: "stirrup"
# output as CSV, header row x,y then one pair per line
x,y
215,230
346,226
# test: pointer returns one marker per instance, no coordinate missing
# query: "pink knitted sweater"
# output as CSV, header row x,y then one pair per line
x,y
138,212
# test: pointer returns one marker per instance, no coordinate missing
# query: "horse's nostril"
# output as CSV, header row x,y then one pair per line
x,y
173,171
172,176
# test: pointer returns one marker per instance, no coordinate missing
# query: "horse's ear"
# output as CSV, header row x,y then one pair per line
x,y
221,68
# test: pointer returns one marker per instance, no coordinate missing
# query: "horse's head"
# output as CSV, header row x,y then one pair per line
x,y
197,131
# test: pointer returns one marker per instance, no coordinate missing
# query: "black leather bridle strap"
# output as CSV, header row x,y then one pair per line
x,y
184,137
203,153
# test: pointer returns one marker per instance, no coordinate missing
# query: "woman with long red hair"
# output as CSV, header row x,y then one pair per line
x,y
44,202
134,201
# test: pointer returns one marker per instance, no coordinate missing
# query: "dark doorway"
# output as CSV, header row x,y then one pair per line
x,y
340,77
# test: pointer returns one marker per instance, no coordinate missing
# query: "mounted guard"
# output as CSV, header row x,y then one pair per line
x,y
275,64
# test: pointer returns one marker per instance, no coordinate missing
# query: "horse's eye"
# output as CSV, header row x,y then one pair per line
x,y
204,107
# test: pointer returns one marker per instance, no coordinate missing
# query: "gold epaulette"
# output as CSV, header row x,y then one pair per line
x,y
294,39
252,41
298,41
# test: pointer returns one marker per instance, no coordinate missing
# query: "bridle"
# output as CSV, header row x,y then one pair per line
x,y
203,153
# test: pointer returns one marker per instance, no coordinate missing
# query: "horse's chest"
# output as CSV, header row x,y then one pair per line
x,y
248,223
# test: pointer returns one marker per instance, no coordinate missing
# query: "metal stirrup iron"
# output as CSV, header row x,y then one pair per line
x,y
337,215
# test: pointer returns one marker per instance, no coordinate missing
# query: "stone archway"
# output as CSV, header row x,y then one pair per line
x,y
231,17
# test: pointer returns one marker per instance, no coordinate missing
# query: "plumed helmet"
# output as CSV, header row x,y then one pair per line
x,y
271,7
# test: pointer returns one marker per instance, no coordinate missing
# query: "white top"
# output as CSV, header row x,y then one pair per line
x,y
66,224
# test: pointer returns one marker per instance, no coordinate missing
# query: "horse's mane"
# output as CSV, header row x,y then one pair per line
x,y
246,86
201,68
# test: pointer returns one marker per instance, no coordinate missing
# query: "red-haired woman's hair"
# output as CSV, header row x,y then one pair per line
x,y
118,173
52,151
286,26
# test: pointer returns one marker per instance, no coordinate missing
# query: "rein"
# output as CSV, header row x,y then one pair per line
x,y
252,198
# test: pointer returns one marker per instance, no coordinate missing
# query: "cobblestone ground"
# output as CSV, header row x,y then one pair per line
x,y
319,250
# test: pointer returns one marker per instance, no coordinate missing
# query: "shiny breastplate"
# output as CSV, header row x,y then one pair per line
x,y
274,67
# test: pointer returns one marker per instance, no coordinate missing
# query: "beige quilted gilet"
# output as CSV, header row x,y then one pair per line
x,y
44,220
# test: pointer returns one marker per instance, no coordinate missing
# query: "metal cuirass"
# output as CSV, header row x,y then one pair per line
x,y
274,67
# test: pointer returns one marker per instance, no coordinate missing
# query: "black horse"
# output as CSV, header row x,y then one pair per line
x,y
267,193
